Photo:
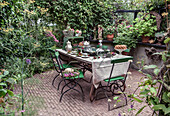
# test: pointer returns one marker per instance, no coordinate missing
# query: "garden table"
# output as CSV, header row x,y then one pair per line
x,y
100,67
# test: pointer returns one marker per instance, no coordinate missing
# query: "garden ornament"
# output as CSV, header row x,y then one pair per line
x,y
68,46
100,32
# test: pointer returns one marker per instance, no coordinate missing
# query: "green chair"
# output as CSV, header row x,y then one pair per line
x,y
70,83
113,84
62,67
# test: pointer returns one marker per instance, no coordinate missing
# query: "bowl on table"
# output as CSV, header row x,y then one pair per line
x,y
85,54
74,52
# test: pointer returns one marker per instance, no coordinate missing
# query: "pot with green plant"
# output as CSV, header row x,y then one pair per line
x,y
109,32
125,35
145,27
125,40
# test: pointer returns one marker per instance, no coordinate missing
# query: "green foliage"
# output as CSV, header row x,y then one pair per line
x,y
158,98
149,67
146,4
6,83
23,45
125,35
109,30
145,25
80,15
140,110
23,37
6,93
167,40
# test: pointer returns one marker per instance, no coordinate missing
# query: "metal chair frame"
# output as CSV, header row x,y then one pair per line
x,y
52,54
84,67
113,85
70,83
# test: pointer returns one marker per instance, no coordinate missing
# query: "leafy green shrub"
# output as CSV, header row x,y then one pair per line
x,y
125,35
155,88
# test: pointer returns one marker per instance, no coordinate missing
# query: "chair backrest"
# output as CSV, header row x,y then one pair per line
x,y
56,60
120,60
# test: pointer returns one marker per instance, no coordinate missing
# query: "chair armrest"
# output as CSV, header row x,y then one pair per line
x,y
73,62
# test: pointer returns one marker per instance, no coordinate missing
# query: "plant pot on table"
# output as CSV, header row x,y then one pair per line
x,y
110,37
145,39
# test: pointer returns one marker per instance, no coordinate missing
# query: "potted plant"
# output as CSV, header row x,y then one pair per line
x,y
109,31
145,27
78,33
125,36
68,32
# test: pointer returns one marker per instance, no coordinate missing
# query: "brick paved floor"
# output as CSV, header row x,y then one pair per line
x,y
43,99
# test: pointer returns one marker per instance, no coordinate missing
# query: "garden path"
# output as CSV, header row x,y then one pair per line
x,y
42,99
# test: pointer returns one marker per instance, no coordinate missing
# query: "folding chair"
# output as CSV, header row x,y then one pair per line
x,y
62,66
113,83
70,83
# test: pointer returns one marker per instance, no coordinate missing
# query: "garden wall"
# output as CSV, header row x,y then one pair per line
x,y
145,51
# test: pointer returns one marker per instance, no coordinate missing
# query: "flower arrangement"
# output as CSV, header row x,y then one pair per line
x,y
125,30
78,32
109,30
68,32
71,30
70,73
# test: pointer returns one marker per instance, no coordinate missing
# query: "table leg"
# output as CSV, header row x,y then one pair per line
x,y
92,93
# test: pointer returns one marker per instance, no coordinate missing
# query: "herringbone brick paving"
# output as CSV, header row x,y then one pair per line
x,y
44,98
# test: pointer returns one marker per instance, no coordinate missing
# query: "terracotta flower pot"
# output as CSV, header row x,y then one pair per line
x,y
110,37
145,39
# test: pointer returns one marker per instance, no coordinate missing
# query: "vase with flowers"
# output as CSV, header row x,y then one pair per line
x,y
70,73
78,33
68,32
109,31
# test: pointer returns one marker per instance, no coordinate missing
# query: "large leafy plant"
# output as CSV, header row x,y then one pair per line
x,y
155,88
145,25
109,30
125,35
83,15
23,45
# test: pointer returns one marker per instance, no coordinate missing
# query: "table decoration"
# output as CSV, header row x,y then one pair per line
x,y
94,33
70,73
99,50
68,46
85,55
81,44
78,33
68,32
120,48
73,52
100,31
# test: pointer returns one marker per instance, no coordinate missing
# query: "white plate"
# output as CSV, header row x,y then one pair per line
x,y
73,53
84,56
